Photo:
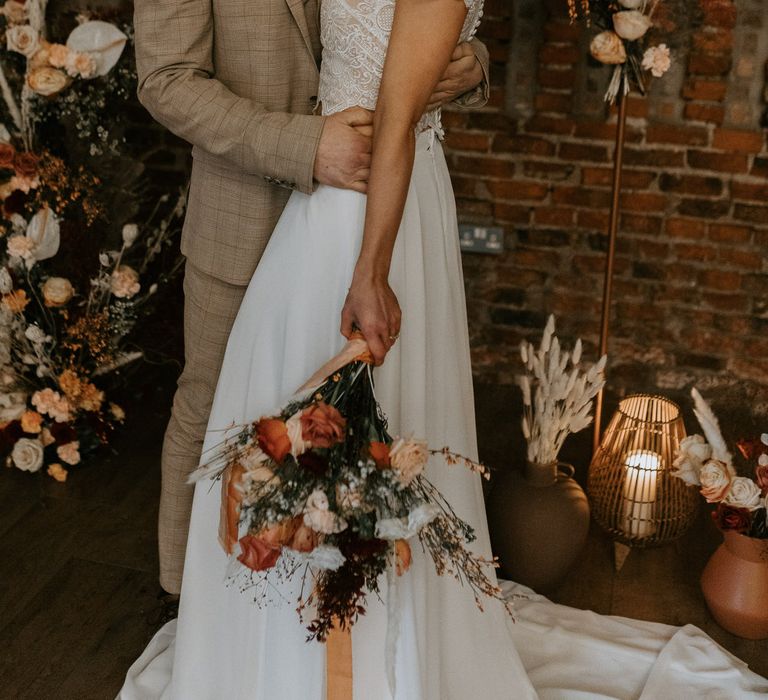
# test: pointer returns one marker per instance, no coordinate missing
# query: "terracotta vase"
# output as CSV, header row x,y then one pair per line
x,y
735,585
539,522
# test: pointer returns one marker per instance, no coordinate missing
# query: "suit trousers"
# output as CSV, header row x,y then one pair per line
x,y
210,309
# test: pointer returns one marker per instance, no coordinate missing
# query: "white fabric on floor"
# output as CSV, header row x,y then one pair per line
x,y
573,654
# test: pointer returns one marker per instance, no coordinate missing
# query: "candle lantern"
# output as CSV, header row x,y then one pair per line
x,y
633,494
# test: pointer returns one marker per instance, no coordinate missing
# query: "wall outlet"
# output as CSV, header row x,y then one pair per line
x,y
481,239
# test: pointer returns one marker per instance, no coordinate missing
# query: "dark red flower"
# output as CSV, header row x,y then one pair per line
x,y
731,518
257,554
7,155
313,462
26,163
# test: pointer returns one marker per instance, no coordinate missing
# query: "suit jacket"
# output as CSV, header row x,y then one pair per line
x,y
238,80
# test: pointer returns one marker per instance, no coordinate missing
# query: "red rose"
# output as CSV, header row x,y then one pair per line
x,y
761,477
379,453
273,438
7,154
322,425
732,518
26,163
257,554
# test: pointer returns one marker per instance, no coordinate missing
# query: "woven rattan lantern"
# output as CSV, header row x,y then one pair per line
x,y
633,493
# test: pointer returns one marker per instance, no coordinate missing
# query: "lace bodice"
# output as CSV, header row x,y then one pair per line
x,y
355,34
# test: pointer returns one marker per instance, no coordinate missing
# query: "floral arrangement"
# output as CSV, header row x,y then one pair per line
x,y
322,493
620,43
77,270
557,394
704,461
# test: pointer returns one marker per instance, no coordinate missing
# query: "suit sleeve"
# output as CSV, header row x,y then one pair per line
x,y
478,96
174,58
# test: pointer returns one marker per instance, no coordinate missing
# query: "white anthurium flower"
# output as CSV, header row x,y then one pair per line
x,y
104,259
44,231
36,335
631,4
102,40
5,135
764,438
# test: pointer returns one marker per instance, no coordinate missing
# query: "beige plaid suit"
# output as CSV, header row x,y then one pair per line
x,y
238,80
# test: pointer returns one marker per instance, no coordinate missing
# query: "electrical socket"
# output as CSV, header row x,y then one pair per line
x,y
481,239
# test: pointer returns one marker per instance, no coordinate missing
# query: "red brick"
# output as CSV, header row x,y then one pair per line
x,y
490,121
548,170
705,90
570,150
709,63
698,253
748,212
549,102
477,165
636,223
516,189
630,179
760,167
683,135
541,124
596,220
691,184
552,216
643,201
727,302
654,158
582,197
743,259
535,258
652,249
511,213
474,210
637,106
704,208
554,79
453,119
721,280
559,54
466,141
739,141
720,162
465,186
730,233
702,112
562,32
523,144
713,40
750,191
718,13
685,228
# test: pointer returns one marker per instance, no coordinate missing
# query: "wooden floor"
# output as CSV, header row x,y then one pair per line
x,y
78,571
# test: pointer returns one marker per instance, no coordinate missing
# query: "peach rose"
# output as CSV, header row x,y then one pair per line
x,y
26,164
69,453
379,453
305,539
715,480
256,554
16,301
409,457
20,246
319,517
23,38
57,291
657,59
52,403
7,154
761,475
15,12
31,422
273,438
322,425
58,472
125,282
46,437
58,55
402,557
607,47
24,184
281,533
47,81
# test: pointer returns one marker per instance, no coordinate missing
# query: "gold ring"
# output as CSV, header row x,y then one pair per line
x,y
393,338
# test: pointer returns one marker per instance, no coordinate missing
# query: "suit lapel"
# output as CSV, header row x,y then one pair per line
x,y
297,10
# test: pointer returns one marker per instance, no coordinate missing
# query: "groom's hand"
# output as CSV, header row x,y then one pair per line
x,y
344,154
462,75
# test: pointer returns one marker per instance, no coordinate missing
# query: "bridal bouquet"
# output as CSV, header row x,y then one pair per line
x,y
620,43
322,492
705,461
77,265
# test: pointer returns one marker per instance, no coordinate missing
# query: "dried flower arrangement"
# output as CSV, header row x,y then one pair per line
x,y
558,394
705,461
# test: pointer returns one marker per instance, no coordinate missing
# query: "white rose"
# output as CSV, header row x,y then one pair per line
x,y
326,557
35,334
130,234
422,516
295,435
392,529
692,453
57,291
23,38
408,459
12,405
125,282
744,493
27,454
318,517
631,24
762,460
715,480
6,282
764,438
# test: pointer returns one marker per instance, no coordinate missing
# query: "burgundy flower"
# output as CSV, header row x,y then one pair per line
x,y
26,164
761,477
313,462
7,155
732,518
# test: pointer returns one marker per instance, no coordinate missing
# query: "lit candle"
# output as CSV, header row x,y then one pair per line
x,y
640,493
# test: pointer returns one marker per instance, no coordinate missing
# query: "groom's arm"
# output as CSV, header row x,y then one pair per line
x,y
465,82
174,42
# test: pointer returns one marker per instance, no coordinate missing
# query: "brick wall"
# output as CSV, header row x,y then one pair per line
x,y
691,286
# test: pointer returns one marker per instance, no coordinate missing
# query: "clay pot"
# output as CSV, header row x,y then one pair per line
x,y
735,585
539,522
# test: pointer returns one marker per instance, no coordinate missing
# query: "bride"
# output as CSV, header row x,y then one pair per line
x,y
339,256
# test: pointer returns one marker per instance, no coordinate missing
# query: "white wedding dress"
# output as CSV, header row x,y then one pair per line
x,y
224,646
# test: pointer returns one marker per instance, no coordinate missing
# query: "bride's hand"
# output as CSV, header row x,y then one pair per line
x,y
372,307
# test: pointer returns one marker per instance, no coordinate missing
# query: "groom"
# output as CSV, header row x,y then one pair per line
x,y
238,80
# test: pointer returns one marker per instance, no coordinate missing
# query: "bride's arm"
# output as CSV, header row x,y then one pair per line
x,y
424,35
